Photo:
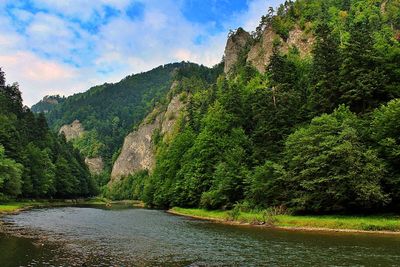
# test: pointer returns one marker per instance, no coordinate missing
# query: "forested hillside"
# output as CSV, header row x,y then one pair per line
x,y
47,104
109,112
313,133
34,161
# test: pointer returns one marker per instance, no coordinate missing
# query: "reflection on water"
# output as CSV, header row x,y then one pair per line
x,y
140,237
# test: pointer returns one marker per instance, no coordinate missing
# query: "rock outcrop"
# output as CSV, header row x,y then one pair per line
x,y
76,130
261,50
137,152
236,43
72,131
95,165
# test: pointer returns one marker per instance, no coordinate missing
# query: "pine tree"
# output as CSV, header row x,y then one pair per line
x,y
362,80
325,70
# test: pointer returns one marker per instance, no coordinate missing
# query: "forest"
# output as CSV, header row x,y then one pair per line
x,y
34,161
110,111
313,134
316,134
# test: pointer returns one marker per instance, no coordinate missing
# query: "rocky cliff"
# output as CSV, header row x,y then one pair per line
x,y
258,52
236,43
47,104
72,131
95,165
137,152
76,130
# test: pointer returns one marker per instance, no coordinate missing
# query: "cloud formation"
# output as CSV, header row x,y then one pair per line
x,y
64,47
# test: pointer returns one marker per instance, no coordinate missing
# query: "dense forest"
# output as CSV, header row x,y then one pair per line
x,y
34,161
319,133
109,112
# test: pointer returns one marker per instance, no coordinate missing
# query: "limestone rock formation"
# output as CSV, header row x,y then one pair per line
x,y
73,130
137,152
261,50
95,165
234,46
76,130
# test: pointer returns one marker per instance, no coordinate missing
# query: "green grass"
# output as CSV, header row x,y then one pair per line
x,y
5,208
363,223
15,206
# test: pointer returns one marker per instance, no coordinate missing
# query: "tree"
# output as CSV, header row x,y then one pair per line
x,y
265,186
330,169
40,170
362,78
325,70
10,175
385,131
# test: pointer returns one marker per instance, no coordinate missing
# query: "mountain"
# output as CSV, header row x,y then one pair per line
x,y
47,103
97,120
304,117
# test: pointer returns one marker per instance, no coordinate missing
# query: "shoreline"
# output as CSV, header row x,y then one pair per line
x,y
15,207
281,222
284,228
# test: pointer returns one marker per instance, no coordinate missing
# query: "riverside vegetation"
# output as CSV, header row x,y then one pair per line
x,y
316,134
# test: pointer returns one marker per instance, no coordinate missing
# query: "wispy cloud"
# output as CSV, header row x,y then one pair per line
x,y
63,47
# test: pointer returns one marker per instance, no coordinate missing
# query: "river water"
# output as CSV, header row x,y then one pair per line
x,y
83,236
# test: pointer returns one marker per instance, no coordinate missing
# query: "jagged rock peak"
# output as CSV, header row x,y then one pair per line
x,y
237,41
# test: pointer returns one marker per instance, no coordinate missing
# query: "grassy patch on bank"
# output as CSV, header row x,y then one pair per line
x,y
17,205
363,223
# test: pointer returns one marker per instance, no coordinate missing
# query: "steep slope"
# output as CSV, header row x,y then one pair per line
x,y
109,111
75,133
296,121
257,52
138,151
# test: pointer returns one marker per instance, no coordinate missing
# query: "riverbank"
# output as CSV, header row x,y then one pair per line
x,y
339,223
24,204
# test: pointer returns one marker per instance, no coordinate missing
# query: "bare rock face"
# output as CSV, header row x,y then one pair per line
x,y
260,53
137,152
76,130
234,46
73,130
95,165
171,115
304,42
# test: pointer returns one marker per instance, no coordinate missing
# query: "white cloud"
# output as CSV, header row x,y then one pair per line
x,y
55,53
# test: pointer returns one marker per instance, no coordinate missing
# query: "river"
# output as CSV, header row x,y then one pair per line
x,y
87,236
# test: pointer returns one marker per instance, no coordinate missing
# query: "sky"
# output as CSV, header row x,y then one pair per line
x,y
66,46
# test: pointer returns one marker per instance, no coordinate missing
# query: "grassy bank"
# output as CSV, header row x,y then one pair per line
x,y
15,206
343,223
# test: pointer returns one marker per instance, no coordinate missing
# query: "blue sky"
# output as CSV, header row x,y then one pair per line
x,y
64,47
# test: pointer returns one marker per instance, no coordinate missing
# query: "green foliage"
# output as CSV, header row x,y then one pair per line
x,y
110,111
47,104
385,131
89,144
284,138
10,175
35,162
266,185
130,187
330,169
